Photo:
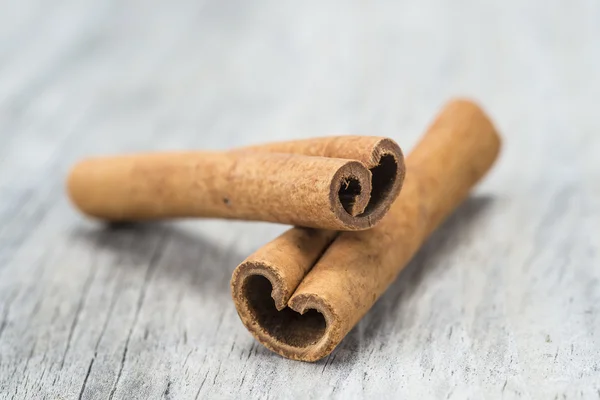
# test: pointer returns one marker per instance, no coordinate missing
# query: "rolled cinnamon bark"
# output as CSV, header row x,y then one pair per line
x,y
306,317
382,156
332,183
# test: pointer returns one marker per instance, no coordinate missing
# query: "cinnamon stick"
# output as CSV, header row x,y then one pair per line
x,y
337,183
301,305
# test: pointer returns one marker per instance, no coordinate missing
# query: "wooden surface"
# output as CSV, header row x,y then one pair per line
x,y
503,301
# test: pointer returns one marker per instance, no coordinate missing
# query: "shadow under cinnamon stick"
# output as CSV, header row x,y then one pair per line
x,y
428,261
186,257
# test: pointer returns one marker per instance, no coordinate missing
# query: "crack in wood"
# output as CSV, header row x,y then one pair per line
x,y
87,376
80,304
152,265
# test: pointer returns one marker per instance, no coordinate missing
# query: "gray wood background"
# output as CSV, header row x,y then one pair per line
x,y
503,301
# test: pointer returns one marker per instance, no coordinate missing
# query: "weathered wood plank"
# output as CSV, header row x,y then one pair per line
x,y
502,302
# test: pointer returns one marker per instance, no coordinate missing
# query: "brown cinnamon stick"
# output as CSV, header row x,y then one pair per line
x,y
273,287
338,183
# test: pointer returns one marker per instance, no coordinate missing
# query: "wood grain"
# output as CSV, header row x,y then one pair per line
x,y
502,302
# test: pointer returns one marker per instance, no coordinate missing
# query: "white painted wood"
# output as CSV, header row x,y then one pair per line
x,y
503,301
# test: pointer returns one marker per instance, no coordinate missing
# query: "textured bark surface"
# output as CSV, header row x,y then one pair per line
x,y
329,183
503,300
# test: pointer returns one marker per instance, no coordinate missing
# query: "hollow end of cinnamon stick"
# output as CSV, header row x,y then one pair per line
x,y
263,285
303,329
360,205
